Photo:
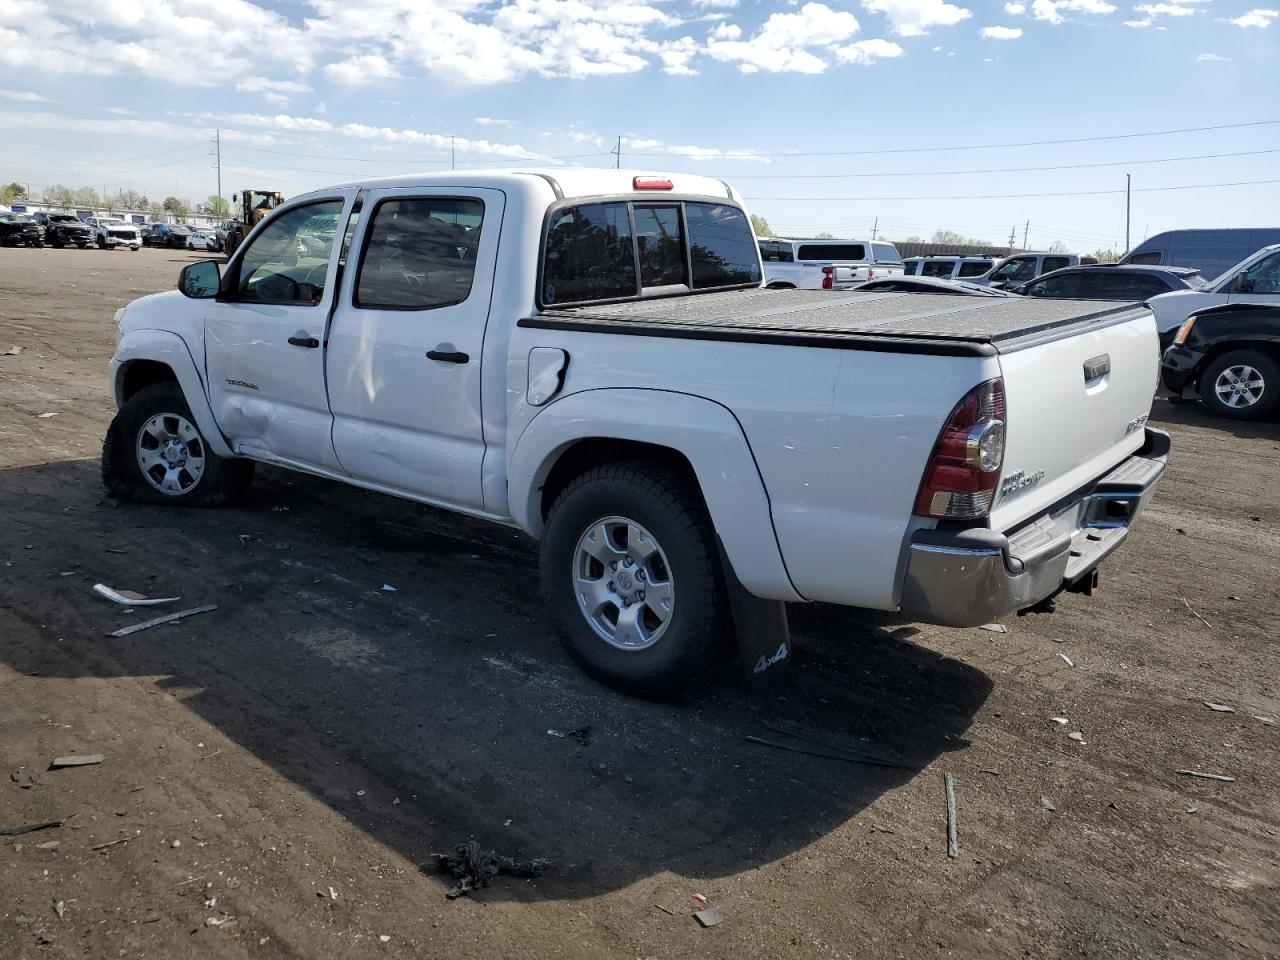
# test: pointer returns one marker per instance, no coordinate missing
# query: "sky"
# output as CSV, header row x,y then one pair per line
x,y
843,116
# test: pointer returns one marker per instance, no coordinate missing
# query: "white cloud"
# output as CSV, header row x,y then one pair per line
x,y
1212,58
913,18
716,4
869,51
265,85
359,70
140,128
493,122
1001,33
1138,24
677,56
1164,10
1051,11
785,42
1015,9
640,145
24,96
1259,18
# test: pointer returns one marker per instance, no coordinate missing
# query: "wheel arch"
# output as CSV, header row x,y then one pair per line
x,y
1269,347
692,435
144,357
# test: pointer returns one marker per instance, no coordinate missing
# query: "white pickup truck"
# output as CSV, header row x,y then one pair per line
x,y
112,232
589,355
826,264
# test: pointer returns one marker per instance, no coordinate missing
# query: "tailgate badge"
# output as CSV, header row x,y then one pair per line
x,y
1097,367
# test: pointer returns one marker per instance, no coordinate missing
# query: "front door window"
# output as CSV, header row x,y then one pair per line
x,y
289,261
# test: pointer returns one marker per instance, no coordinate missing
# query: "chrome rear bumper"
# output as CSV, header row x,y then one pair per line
x,y
969,577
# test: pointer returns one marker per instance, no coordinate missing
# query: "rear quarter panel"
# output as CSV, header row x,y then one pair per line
x,y
840,437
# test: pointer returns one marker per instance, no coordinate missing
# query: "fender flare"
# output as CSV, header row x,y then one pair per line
x,y
163,346
704,432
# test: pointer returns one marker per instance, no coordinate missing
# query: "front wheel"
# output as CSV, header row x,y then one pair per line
x,y
155,453
630,572
1242,385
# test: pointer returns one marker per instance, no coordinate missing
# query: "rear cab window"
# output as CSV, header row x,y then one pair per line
x,y
973,269
619,249
419,253
937,268
885,253
831,252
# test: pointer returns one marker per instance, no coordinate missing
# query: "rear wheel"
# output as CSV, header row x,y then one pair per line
x,y
1242,385
629,570
155,453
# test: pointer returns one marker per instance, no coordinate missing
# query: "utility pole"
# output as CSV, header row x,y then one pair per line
x,y
617,152
1128,183
453,155
874,227
1025,231
217,146
1013,234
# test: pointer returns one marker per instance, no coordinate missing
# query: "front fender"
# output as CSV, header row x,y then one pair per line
x,y
705,433
164,346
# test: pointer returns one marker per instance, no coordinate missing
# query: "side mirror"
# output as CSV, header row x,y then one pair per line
x,y
200,281
1242,283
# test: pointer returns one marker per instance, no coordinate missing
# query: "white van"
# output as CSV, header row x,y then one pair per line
x,y
811,264
975,269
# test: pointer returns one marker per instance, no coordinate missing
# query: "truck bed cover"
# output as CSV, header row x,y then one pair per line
x,y
887,321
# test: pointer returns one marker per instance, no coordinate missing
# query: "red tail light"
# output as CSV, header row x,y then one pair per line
x,y
960,480
828,277
651,183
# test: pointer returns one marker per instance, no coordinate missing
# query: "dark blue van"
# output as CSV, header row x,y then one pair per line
x,y
1209,251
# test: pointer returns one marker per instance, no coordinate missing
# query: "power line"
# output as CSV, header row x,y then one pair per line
x,y
956,173
329,156
1020,196
974,146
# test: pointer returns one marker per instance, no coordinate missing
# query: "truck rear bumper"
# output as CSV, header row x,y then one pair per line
x,y
970,577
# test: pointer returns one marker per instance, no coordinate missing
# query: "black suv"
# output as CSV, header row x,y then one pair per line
x,y
1230,355
19,230
65,230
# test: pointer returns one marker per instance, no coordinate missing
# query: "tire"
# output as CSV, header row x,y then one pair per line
x,y
157,409
1242,385
663,520
102,243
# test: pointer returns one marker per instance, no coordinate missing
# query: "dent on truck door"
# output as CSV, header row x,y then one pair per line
x,y
405,343
265,337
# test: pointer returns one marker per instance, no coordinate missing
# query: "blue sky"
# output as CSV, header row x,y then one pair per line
x,y
827,115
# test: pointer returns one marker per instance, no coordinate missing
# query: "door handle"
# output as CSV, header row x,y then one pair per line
x,y
448,356
309,342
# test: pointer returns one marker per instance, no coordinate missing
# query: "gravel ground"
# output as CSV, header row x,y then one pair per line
x,y
278,772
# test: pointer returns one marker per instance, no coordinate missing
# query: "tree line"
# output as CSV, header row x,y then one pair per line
x,y
66,198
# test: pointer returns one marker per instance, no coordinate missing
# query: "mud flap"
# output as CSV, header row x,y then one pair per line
x,y
761,630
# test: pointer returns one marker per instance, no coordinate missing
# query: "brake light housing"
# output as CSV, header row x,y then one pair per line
x,y
828,277
651,183
961,477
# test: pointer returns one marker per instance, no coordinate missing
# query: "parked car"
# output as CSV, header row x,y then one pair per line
x,y
932,285
690,449
951,267
112,232
811,264
20,230
1230,356
201,238
1024,267
222,230
1112,282
65,230
1256,279
1209,251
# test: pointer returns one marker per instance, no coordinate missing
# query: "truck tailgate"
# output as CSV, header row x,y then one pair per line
x,y
1075,407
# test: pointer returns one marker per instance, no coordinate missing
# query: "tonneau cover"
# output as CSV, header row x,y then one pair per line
x,y
874,314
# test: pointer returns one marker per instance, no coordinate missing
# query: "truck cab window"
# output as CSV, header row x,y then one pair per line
x,y
722,246
289,261
660,241
419,254
590,254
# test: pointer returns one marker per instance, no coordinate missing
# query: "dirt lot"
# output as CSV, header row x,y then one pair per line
x,y
288,763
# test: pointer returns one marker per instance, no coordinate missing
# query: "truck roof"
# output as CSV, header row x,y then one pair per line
x,y
887,321
571,182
